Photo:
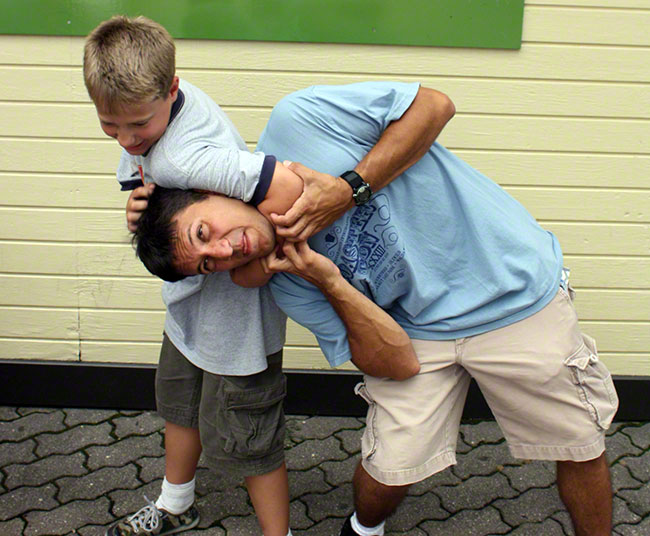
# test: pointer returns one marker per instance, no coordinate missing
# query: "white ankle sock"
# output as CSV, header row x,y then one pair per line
x,y
176,498
366,531
289,533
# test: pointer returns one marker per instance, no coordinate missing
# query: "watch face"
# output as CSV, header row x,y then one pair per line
x,y
362,195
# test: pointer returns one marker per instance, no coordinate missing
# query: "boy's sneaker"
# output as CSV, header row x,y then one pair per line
x,y
151,520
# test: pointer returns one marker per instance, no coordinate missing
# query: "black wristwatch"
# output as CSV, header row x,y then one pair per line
x,y
361,191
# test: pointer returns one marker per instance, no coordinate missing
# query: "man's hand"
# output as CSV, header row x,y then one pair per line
x,y
136,204
324,199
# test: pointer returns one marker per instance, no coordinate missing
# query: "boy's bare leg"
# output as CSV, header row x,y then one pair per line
x,y
269,494
182,452
586,490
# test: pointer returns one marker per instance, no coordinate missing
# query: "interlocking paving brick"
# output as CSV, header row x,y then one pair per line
x,y
242,526
483,460
45,470
313,480
315,428
638,500
481,432
639,466
350,440
220,504
143,424
22,452
475,492
532,506
31,425
446,477
336,502
313,452
15,526
74,439
530,474
24,499
622,513
152,468
468,523
97,483
127,502
68,517
8,413
642,529
622,479
298,516
124,451
639,434
415,510
30,410
548,527
73,417
618,446
339,472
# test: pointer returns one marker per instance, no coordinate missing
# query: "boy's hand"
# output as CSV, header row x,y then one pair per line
x,y
324,200
136,204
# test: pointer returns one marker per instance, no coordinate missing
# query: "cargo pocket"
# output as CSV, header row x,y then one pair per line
x,y
253,421
594,383
369,438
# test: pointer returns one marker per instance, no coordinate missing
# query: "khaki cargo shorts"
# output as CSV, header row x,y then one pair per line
x,y
240,418
541,377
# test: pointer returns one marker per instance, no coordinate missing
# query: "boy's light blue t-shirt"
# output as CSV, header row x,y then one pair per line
x,y
445,250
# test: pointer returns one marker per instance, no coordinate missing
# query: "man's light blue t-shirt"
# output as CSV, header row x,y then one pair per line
x,y
445,250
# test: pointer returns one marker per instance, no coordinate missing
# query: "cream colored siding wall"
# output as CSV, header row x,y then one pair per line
x,y
563,124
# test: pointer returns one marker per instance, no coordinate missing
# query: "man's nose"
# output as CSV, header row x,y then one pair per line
x,y
222,249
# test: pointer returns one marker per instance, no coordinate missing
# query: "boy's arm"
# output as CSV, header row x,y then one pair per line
x,y
401,145
379,346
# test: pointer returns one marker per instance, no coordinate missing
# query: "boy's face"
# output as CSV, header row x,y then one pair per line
x,y
136,127
219,234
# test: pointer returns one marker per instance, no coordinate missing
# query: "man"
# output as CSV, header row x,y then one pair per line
x,y
461,267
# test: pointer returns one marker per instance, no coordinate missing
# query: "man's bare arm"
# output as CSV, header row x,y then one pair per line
x,y
379,346
401,145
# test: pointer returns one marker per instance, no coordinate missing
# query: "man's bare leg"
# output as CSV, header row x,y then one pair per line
x,y
586,490
374,501
182,452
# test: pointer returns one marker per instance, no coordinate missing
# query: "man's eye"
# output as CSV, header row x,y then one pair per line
x,y
205,265
199,232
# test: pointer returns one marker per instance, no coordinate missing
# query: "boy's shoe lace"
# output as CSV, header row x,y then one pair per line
x,y
151,520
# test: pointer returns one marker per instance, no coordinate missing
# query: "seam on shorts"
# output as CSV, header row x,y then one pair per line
x,y
402,477
577,453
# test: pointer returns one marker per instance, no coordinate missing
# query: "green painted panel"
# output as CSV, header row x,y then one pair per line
x,y
458,23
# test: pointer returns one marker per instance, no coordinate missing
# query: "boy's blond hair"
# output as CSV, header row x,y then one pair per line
x,y
128,61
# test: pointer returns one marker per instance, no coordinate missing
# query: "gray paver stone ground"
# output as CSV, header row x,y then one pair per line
x,y
483,460
22,452
130,450
152,467
219,504
31,425
328,527
446,477
475,492
68,517
97,484
339,472
313,452
468,523
618,446
641,529
415,510
538,474
314,428
8,413
639,434
548,527
350,440
242,526
622,512
15,526
622,478
298,515
126,502
74,417
143,424
45,470
639,466
336,502
532,506
74,439
638,500
311,481
481,432
24,499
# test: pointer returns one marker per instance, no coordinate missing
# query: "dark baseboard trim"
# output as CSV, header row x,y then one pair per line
x,y
119,386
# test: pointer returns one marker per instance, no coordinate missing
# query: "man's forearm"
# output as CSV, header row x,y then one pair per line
x,y
379,346
406,140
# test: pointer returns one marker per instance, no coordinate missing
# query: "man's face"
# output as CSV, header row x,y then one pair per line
x,y
137,127
219,234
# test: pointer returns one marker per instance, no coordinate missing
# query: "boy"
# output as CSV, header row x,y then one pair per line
x,y
169,128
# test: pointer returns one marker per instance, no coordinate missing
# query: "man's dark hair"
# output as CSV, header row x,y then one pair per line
x,y
155,237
